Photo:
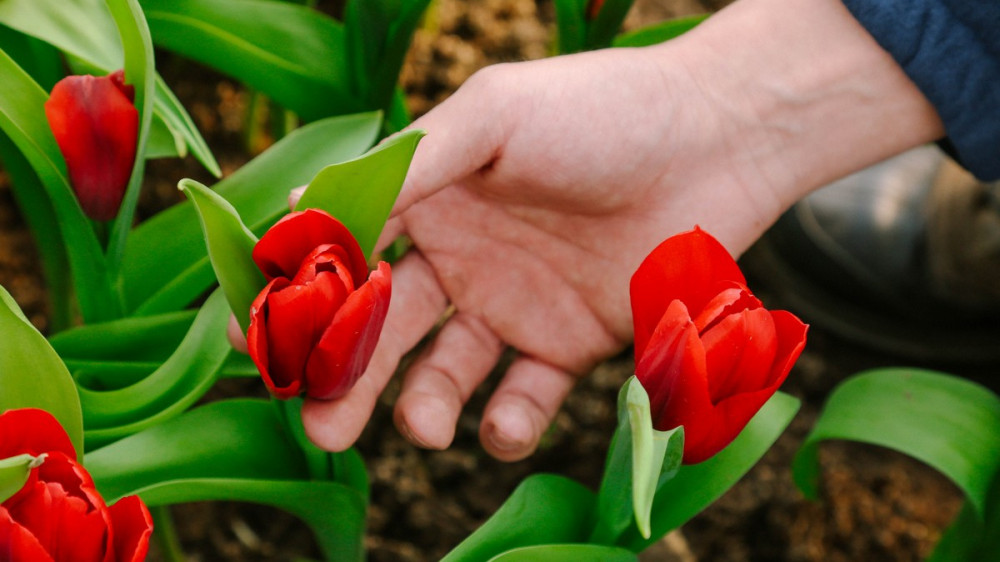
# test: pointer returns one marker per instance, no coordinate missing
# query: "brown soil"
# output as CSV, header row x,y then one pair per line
x,y
876,506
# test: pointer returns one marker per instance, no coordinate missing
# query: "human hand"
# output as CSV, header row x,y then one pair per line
x,y
540,187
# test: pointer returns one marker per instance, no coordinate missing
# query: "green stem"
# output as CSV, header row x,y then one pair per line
x,y
166,534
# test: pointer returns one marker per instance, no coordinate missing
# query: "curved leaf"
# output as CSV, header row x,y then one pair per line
x,y
947,422
360,192
230,249
334,512
293,54
32,375
143,338
603,28
566,553
658,33
543,509
240,438
639,458
696,486
14,472
139,72
168,391
166,264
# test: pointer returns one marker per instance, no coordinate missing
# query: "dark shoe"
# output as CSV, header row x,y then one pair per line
x,y
903,257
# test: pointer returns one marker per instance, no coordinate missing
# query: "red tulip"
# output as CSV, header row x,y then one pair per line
x,y
96,126
314,327
58,515
707,352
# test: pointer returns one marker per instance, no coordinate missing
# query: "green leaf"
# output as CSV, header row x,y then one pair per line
x,y
334,512
658,33
949,423
571,25
167,392
360,192
32,375
639,458
166,263
608,22
22,119
139,72
543,509
696,486
390,62
14,473
144,338
230,248
239,438
971,537
566,553
293,54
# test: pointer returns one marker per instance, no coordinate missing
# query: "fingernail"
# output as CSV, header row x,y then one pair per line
x,y
510,431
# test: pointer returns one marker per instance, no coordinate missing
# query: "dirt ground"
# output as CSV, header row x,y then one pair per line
x,y
876,505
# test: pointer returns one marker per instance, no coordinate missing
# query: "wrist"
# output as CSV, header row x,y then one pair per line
x,y
803,94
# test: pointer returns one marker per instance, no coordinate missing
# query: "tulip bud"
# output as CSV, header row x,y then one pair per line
x,y
96,126
706,350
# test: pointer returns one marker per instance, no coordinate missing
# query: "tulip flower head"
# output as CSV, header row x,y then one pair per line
x,y
314,327
58,514
706,350
96,126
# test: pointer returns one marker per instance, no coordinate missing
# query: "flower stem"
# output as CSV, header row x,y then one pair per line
x,y
166,534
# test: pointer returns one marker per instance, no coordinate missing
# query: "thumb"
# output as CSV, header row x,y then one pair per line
x,y
465,134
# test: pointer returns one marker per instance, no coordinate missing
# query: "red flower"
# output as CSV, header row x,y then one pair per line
x,y
58,514
707,352
96,126
314,327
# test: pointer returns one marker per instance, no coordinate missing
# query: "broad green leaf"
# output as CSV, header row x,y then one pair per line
x,y
14,473
543,509
32,375
239,438
571,25
949,423
167,392
385,77
639,458
22,119
230,247
972,537
658,33
139,72
566,553
85,29
360,192
166,264
143,338
164,142
293,54
608,22
39,59
696,486
334,512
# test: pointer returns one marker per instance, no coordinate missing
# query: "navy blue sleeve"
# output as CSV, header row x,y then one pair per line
x,y
951,51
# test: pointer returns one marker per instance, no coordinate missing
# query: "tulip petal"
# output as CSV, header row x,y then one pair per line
x,y
132,525
32,431
17,543
297,318
283,248
257,345
740,352
674,353
688,267
96,127
346,347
